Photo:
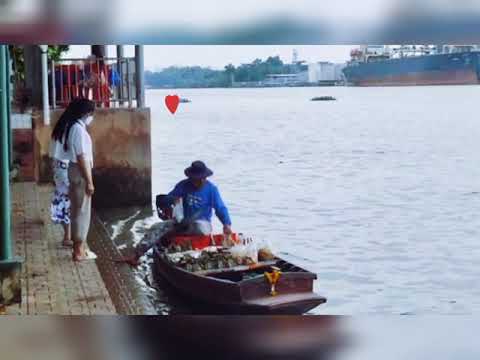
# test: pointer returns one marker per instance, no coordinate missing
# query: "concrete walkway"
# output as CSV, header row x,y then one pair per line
x,y
51,282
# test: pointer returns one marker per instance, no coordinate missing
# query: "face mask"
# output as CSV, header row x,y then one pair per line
x,y
88,120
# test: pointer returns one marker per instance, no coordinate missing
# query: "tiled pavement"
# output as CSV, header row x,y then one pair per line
x,y
51,282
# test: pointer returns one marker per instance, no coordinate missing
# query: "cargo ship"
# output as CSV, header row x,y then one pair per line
x,y
382,65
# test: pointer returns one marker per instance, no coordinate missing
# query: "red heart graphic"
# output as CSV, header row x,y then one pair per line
x,y
172,102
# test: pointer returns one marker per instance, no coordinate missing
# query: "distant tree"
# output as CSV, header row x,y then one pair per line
x,y
196,76
241,73
230,71
186,77
274,61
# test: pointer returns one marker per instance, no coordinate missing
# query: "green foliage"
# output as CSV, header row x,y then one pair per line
x,y
187,77
55,53
258,69
16,54
197,76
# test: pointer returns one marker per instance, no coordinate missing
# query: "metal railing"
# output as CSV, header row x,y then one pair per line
x,y
109,82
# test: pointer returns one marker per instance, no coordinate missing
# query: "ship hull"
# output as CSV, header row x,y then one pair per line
x,y
442,69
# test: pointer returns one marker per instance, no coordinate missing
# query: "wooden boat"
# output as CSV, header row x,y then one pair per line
x,y
269,287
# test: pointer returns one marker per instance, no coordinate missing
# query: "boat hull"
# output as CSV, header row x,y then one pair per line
x,y
441,69
295,291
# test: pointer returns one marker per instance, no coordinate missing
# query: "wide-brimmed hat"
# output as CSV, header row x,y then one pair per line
x,y
198,170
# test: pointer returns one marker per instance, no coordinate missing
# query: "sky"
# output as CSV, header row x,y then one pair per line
x,y
216,57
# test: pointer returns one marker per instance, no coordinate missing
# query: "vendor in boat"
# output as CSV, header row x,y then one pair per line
x,y
198,196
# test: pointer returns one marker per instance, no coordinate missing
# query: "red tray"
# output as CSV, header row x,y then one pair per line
x,y
202,241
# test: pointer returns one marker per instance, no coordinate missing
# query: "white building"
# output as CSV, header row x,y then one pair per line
x,y
324,71
286,79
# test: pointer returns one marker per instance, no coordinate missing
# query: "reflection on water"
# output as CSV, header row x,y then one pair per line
x,y
376,192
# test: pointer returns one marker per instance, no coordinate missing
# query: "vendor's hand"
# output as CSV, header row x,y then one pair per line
x,y
90,189
227,229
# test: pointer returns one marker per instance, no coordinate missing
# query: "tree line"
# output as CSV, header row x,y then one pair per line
x,y
197,76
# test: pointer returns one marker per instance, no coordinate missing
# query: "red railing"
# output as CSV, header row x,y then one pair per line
x,y
110,82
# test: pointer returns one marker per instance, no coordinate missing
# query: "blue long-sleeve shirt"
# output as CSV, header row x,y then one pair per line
x,y
201,200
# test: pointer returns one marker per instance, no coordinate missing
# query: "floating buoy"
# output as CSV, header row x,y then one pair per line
x,y
323,98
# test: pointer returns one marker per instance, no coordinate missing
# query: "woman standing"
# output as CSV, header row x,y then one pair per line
x,y
60,206
77,143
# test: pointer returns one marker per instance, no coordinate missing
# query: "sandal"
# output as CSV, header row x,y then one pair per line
x,y
67,243
89,255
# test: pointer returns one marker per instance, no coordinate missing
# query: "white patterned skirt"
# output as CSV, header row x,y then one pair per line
x,y
60,207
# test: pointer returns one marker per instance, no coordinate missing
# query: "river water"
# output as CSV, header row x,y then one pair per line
x,y
377,192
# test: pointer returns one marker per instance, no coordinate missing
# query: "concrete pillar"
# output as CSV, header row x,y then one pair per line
x,y
140,82
122,149
120,55
120,52
100,51
33,73
45,105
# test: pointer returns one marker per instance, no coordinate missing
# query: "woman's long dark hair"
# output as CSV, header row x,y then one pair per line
x,y
77,109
